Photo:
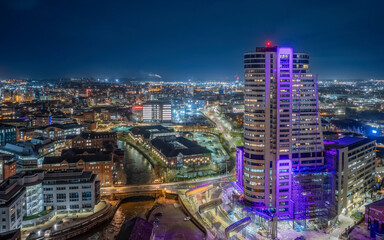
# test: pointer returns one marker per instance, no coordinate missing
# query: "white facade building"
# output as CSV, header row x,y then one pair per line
x,y
12,205
28,193
157,111
74,191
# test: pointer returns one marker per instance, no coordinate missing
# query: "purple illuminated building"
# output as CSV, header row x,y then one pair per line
x,y
283,143
240,165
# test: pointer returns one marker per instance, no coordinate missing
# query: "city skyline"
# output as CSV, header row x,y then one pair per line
x,y
191,120
124,39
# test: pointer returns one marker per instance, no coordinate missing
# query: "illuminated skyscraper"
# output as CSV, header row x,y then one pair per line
x,y
283,143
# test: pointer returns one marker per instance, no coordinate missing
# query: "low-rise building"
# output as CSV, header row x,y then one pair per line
x,y
374,215
29,154
178,152
147,133
34,196
72,190
12,205
7,134
91,140
99,162
24,153
59,131
352,161
8,166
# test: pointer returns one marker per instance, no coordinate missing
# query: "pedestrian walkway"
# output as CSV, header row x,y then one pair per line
x,y
65,220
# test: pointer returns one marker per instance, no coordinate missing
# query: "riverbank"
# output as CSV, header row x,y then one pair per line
x,y
70,224
164,174
142,150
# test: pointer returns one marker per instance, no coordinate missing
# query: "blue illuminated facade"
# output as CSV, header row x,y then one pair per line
x,y
7,134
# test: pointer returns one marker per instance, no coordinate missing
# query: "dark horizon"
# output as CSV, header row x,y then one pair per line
x,y
177,41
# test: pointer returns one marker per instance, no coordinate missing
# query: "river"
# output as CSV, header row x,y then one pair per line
x,y
138,171
125,212
137,168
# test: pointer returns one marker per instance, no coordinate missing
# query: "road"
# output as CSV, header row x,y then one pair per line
x,y
222,125
173,186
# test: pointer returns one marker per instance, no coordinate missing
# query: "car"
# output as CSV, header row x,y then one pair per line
x,y
187,218
47,233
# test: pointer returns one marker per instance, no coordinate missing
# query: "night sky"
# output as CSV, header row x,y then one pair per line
x,y
179,40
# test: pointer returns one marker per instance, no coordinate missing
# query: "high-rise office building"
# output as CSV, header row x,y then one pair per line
x,y
353,162
283,143
157,111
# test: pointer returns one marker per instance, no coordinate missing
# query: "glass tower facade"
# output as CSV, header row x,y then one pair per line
x,y
283,142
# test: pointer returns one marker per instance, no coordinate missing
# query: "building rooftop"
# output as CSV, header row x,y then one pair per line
x,y
171,147
9,191
147,130
93,135
61,126
378,205
75,174
157,102
76,155
350,142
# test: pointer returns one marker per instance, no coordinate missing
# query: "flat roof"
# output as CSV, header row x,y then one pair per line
x,y
350,142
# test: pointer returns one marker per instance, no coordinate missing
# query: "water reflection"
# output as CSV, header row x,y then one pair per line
x,y
126,212
138,170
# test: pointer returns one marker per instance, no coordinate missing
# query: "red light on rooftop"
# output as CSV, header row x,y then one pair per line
x,y
268,44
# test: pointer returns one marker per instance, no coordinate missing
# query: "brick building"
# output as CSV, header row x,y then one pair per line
x,y
99,162
7,166
178,152
91,140
374,215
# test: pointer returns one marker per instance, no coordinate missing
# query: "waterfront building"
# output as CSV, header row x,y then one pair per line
x,y
73,190
91,140
177,152
92,159
34,196
284,168
147,133
352,160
